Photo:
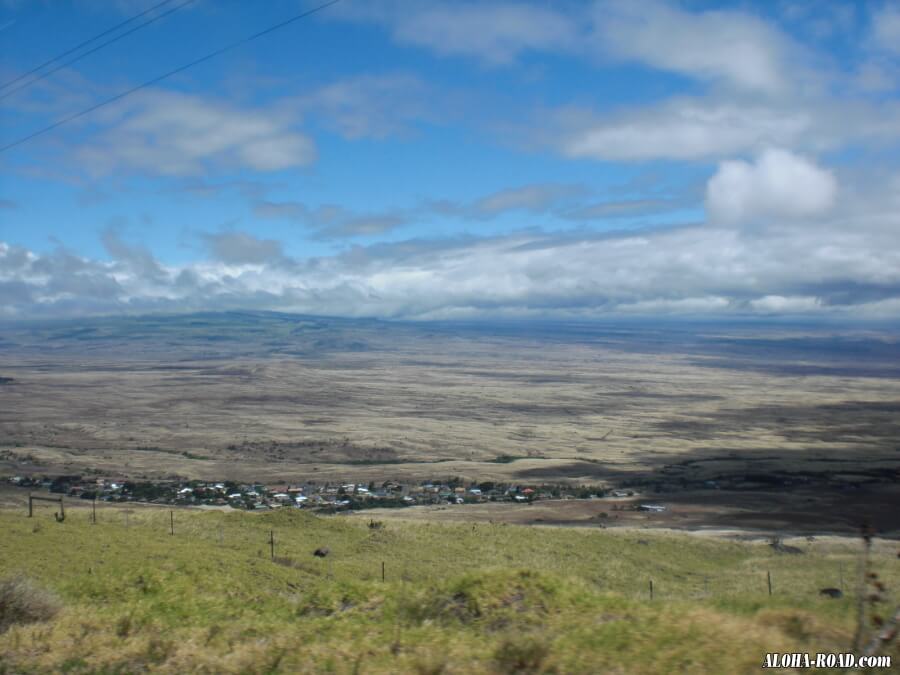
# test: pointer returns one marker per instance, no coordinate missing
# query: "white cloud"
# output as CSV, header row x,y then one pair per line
x,y
778,304
681,129
778,184
240,248
886,28
373,106
624,208
720,45
726,46
535,198
331,221
495,33
169,133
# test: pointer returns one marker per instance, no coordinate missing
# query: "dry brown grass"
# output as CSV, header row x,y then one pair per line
x,y
22,602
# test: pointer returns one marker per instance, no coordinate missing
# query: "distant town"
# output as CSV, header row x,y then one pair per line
x,y
322,496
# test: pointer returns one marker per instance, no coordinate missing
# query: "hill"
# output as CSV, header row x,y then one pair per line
x,y
456,598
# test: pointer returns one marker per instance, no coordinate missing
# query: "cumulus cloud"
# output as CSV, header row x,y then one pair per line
x,y
169,133
778,184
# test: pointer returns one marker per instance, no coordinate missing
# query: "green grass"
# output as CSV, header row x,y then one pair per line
x,y
457,598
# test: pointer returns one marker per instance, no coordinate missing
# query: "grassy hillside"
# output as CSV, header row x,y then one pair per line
x,y
456,598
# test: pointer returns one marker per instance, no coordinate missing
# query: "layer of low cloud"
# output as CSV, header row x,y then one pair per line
x,y
846,261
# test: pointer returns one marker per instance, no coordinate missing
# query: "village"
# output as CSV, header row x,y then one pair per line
x,y
325,497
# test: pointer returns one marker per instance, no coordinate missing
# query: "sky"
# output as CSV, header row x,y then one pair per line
x,y
437,159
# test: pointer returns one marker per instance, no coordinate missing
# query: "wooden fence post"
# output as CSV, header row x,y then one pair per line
x,y
272,542
382,570
769,580
61,516
651,589
94,511
172,523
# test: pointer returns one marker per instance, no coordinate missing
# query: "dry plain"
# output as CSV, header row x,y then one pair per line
x,y
711,415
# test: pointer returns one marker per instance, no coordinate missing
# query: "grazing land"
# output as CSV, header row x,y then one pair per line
x,y
218,596
800,423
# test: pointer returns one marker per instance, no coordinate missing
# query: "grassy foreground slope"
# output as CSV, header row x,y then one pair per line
x,y
456,598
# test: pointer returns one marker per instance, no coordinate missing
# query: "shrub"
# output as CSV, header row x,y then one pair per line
x,y
522,654
21,601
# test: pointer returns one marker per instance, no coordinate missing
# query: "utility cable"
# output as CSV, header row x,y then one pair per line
x,y
84,44
118,37
160,78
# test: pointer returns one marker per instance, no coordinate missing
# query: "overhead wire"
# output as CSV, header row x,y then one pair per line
x,y
62,65
85,43
160,78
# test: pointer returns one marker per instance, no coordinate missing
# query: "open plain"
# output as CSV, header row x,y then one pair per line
x,y
790,417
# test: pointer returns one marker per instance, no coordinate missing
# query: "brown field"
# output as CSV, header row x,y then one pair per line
x,y
727,513
770,423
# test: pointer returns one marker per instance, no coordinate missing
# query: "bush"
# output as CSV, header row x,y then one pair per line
x,y
21,601
522,654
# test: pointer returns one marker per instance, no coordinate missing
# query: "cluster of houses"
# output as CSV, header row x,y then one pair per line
x,y
323,496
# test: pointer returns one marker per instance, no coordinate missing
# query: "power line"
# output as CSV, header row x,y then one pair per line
x,y
62,65
84,44
181,69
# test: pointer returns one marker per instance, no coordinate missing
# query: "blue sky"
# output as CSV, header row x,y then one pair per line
x,y
462,159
